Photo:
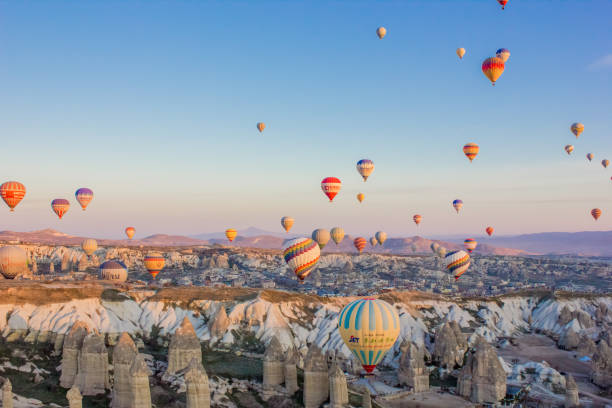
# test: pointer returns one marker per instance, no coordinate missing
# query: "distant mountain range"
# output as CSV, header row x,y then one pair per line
x,y
587,243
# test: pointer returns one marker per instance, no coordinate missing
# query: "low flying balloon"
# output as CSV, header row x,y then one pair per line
x,y
60,206
381,32
154,262
331,187
471,150
130,231
230,234
470,244
12,193
359,243
605,163
302,255
381,237
577,128
89,246
434,247
503,54
337,234
373,241
321,236
287,223
13,261
365,167
503,3
590,156
569,149
441,251
493,68
460,52
369,328
417,219
84,196
457,204
489,230
596,213
360,197
457,262
261,126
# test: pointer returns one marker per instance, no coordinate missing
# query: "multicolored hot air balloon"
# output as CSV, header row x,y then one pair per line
x,y
230,234
373,241
369,328
381,237
113,270
457,262
261,126
471,150
577,128
365,167
457,204
569,149
337,234
130,231
60,206
287,223
381,32
596,213
503,3
489,230
470,244
460,52
331,186
590,156
13,261
360,197
417,219
302,255
359,243
493,68
89,246
84,196
154,262
321,236
605,163
503,54
12,193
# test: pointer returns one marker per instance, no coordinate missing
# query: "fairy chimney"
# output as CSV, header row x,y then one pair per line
x,y
139,383
290,371
184,346
338,391
482,379
412,371
74,397
73,343
316,378
123,356
92,376
273,375
571,393
7,394
198,390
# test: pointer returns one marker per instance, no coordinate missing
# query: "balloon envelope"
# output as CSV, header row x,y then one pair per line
x,y
373,241
113,270
457,204
503,3
503,54
360,197
381,237
12,193
605,163
13,261
434,247
489,230
321,236
130,231
365,167
471,150
84,196
359,243
287,223
230,234
89,246
460,52
470,244
596,213
381,32
60,206
417,219
457,262
302,255
154,262
337,234
493,68
569,149
577,128
261,126
589,156
331,187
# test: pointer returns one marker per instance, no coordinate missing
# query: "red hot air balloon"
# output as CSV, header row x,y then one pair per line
x,y
503,3
417,219
130,231
360,243
489,230
596,213
493,68
12,193
331,187
60,206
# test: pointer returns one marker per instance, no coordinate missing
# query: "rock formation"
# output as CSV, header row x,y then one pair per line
x,y
74,397
571,393
338,391
366,399
139,383
316,378
586,346
7,394
569,340
602,366
412,371
220,324
273,375
290,371
184,346
198,390
450,345
566,316
73,342
482,379
92,376
123,356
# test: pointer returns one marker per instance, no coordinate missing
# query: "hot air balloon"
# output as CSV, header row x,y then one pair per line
x,y
154,262
287,223
359,243
441,251
89,246
493,68
261,126
321,236
381,237
471,150
12,193
230,234
460,52
337,234
503,54
365,167
130,231
302,255
360,197
373,241
369,328
590,156
577,128
417,219
434,247
470,244
113,270
84,196
331,186
596,213
381,32
605,163
569,149
503,3
457,262
489,230
60,206
457,204
13,261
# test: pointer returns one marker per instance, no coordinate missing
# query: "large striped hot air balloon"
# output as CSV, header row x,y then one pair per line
x,y
503,54
154,262
359,243
365,167
569,149
84,196
302,255
493,68
605,163
360,197
489,230
89,246
381,237
130,231
596,213
417,219
321,236
503,3
13,261
369,328
287,223
331,186
230,234
471,150
373,241
337,234
113,270
577,128
261,126
60,206
457,262
589,156
470,244
460,52
12,193
457,204
381,32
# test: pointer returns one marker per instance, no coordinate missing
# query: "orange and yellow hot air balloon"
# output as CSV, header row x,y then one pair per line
x,y
230,234
569,149
60,206
154,262
12,193
590,156
471,150
460,52
360,197
287,223
359,243
493,68
130,231
261,126
605,163
417,219
596,213
381,32
489,230
577,128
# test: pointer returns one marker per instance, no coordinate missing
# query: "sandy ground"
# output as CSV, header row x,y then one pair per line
x,y
429,399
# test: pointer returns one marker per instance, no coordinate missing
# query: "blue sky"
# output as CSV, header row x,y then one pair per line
x,y
153,105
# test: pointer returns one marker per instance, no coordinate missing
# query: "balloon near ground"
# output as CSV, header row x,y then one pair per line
x,y
460,52
365,167
470,244
13,261
596,213
373,242
503,54
359,243
381,32
12,193
492,68
471,150
230,234
577,128
369,328
337,234
321,237
84,196
434,247
89,246
457,262
113,270
130,231
60,206
457,205
302,255
489,230
331,187
287,223
154,262
569,149
381,237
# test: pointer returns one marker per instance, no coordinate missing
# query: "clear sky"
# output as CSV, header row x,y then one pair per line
x,y
153,105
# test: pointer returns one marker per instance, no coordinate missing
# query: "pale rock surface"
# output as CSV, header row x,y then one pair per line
x,y
74,397
338,391
316,378
586,346
570,339
220,324
139,383
290,371
198,388
450,345
602,366
7,394
123,356
366,399
273,375
571,393
92,376
412,371
184,346
482,379
73,342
